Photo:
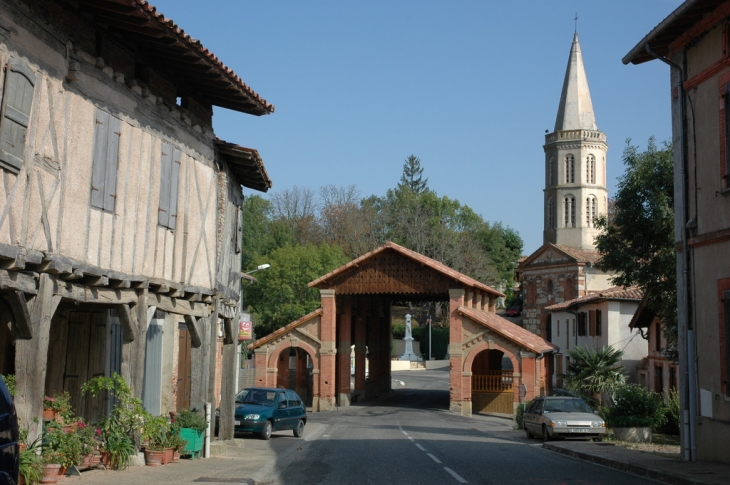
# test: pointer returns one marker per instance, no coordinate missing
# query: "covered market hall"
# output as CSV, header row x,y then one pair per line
x,y
312,355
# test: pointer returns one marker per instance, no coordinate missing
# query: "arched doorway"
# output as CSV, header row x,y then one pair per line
x,y
492,383
294,371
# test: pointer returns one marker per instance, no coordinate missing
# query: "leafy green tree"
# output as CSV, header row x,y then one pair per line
x,y
281,295
592,373
637,235
412,177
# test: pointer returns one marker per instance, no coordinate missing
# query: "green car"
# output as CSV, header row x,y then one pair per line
x,y
264,410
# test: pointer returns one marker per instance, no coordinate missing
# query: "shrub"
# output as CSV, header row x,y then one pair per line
x,y
671,413
191,419
399,330
635,406
519,414
440,345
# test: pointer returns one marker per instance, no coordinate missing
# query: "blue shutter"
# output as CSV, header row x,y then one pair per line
x,y
163,212
174,182
98,172
17,101
112,163
152,388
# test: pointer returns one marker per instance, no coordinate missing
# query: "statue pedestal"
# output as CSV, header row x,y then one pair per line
x,y
408,354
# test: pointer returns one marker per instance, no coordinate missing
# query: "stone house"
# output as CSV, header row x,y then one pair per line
x,y
594,321
120,210
693,41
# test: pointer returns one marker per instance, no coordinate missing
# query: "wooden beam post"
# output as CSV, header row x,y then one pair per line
x,y
22,328
193,328
31,358
200,362
229,374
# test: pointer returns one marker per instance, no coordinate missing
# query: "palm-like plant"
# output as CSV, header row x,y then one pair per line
x,y
592,373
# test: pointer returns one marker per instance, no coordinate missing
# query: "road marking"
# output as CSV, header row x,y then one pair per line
x,y
420,447
455,475
411,439
434,458
404,432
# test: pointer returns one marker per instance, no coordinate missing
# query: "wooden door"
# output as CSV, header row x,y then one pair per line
x,y
183,369
85,359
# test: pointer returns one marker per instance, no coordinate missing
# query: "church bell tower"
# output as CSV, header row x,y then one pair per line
x,y
575,164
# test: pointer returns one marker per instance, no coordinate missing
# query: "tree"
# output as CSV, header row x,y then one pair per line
x,y
636,238
281,295
591,373
412,177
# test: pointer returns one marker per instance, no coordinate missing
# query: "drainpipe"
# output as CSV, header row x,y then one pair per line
x,y
684,307
537,369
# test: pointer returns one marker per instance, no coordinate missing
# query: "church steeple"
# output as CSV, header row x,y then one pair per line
x,y
575,163
575,111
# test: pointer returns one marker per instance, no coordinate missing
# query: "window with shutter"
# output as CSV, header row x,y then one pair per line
x,y
592,323
170,161
17,101
106,160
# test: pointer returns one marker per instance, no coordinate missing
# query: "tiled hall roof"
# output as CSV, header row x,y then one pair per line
x,y
509,330
615,293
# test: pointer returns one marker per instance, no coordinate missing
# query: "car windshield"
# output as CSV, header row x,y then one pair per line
x,y
260,397
566,406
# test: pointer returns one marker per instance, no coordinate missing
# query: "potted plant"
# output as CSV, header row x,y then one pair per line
x,y
192,426
51,466
156,432
66,447
117,446
176,441
634,412
30,463
58,408
90,442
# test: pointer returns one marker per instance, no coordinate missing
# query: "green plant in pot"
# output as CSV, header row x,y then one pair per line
x,y
117,443
66,446
31,462
634,407
156,432
192,426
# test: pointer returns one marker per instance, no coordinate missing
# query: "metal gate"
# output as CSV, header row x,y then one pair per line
x,y
493,392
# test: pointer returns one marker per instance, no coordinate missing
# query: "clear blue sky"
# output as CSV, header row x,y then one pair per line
x,y
467,86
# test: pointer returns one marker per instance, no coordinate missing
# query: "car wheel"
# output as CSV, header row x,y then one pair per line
x,y
266,432
528,433
545,435
299,430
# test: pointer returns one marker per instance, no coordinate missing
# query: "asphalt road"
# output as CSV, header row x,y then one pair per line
x,y
410,438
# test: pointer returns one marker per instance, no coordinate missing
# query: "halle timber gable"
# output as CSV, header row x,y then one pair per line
x,y
120,211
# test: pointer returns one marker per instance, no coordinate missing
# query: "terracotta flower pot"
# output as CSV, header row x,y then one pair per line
x,y
168,456
22,446
106,459
49,414
50,473
62,472
175,456
154,458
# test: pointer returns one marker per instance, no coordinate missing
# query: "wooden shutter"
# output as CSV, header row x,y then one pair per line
x,y
599,323
165,163
152,387
174,182
17,101
239,229
592,323
106,160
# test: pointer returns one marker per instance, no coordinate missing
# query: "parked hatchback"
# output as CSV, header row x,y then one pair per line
x,y
8,437
265,410
562,417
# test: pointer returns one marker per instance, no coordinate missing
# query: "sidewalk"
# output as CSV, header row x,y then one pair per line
x,y
645,464
244,462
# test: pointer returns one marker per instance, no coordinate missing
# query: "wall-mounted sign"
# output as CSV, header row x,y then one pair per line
x,y
245,327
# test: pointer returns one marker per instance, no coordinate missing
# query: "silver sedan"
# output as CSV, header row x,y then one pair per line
x,y
562,417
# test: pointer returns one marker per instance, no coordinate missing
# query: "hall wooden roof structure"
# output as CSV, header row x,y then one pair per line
x,y
394,270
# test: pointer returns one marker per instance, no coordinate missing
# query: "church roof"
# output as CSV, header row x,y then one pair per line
x,y
576,254
509,330
615,293
576,109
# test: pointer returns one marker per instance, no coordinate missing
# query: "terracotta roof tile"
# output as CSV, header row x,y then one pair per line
x,y
273,335
425,260
582,255
509,330
613,293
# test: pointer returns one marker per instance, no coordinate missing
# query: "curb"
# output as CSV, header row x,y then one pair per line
x,y
651,473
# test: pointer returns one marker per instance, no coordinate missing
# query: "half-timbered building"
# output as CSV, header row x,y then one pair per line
x,y
120,210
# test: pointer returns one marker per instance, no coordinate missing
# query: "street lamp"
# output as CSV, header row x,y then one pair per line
x,y
258,268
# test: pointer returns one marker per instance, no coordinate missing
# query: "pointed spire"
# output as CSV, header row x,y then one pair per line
x,y
576,109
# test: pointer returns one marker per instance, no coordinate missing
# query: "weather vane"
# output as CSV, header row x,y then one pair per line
x,y
576,22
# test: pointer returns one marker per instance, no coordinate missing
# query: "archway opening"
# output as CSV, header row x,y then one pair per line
x,y
492,383
294,371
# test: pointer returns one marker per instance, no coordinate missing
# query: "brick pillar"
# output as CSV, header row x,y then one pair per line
x,y
324,386
384,320
344,341
360,348
261,356
456,354
373,350
529,379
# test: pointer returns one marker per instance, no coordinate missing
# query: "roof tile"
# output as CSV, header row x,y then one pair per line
x,y
509,330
